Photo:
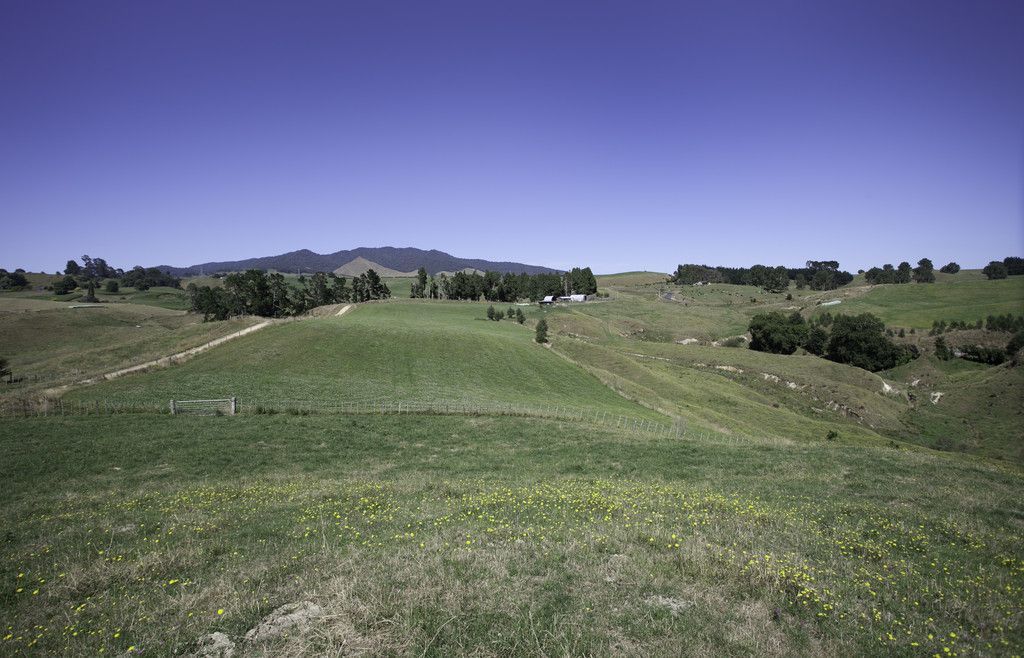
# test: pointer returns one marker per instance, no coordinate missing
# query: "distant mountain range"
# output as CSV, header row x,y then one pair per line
x,y
396,259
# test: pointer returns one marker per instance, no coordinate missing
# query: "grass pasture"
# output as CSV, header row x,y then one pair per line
x,y
919,305
163,297
50,343
630,279
632,343
486,535
443,535
409,351
746,393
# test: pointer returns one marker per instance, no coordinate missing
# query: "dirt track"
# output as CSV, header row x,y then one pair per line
x,y
175,358
163,361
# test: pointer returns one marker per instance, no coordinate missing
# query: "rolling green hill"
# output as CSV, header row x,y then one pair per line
x,y
163,297
951,298
402,350
633,342
437,534
631,279
51,343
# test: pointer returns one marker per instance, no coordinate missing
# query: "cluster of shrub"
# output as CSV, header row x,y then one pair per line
x,y
255,292
90,274
1009,266
512,314
92,271
923,273
857,340
980,353
818,275
13,280
1007,322
497,287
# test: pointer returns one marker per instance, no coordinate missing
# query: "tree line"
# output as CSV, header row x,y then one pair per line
x,y
857,340
92,271
13,280
1007,322
826,275
508,287
923,273
818,275
512,314
1009,266
255,292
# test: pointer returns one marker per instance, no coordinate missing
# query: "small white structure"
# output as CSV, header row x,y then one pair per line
x,y
701,283
551,299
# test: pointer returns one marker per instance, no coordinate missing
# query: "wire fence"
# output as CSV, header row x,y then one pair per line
x,y
677,428
633,424
600,417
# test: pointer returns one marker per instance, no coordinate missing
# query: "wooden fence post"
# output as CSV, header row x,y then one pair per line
x,y
174,409
234,405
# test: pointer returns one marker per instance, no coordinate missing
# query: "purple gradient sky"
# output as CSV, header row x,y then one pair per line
x,y
622,135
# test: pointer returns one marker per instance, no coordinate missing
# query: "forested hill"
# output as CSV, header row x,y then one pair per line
x,y
404,259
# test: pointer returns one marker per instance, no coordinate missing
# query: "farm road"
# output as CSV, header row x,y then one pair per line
x,y
178,357
165,360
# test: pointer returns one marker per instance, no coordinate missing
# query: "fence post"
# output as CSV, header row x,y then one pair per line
x,y
174,409
234,405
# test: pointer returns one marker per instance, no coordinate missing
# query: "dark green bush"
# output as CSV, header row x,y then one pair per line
x,y
776,333
859,340
992,356
817,338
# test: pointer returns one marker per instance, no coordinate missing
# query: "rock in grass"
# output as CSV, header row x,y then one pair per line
x,y
675,606
292,616
215,645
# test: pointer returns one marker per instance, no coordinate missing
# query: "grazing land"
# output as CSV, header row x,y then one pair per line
x,y
950,298
417,352
812,508
497,535
52,344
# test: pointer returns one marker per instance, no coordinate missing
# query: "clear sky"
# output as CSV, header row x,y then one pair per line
x,y
620,135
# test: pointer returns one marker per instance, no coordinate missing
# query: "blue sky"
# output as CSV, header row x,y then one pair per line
x,y
620,135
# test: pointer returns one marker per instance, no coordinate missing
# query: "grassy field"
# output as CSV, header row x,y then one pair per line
x,y
400,287
981,410
409,351
917,305
493,535
442,535
633,343
50,343
631,279
170,298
